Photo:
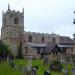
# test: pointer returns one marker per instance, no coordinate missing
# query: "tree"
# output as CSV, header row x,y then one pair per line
x,y
19,51
4,50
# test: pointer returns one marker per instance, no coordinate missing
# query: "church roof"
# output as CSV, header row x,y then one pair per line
x,y
53,47
50,47
66,40
64,46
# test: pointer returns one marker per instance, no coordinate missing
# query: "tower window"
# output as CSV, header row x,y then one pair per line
x,y
43,39
16,20
30,38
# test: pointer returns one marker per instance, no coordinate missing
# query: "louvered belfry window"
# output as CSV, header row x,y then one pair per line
x,y
16,20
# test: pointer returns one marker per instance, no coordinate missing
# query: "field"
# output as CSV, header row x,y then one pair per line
x,y
5,69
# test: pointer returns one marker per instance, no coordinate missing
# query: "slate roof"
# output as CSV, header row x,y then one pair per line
x,y
66,40
53,47
49,47
64,46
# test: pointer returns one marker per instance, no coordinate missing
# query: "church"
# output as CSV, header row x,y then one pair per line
x,y
34,45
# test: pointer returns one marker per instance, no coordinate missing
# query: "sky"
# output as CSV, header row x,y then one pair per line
x,y
44,16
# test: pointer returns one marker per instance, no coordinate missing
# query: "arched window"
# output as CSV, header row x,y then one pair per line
x,y
30,39
38,50
16,20
43,39
26,50
53,40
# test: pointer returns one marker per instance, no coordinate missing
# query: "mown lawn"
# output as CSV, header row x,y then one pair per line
x,y
6,70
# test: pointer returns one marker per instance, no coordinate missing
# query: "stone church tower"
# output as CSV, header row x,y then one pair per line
x,y
12,28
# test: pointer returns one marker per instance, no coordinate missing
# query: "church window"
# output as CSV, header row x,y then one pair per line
x,y
38,50
26,50
16,20
30,39
43,39
53,40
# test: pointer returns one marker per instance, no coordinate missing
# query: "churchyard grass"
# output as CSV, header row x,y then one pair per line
x,y
42,67
6,70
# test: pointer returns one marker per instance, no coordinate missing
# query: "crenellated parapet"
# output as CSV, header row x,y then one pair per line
x,y
38,37
9,11
11,16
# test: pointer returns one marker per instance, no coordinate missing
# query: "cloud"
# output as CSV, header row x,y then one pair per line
x,y
44,15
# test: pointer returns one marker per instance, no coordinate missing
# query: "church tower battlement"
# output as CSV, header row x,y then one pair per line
x,y
12,27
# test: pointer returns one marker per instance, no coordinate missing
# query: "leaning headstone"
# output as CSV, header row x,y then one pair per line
x,y
47,73
73,71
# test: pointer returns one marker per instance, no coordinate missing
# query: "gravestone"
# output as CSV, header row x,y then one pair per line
x,y
47,73
45,58
10,61
12,64
73,71
29,67
23,69
34,71
65,71
64,61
